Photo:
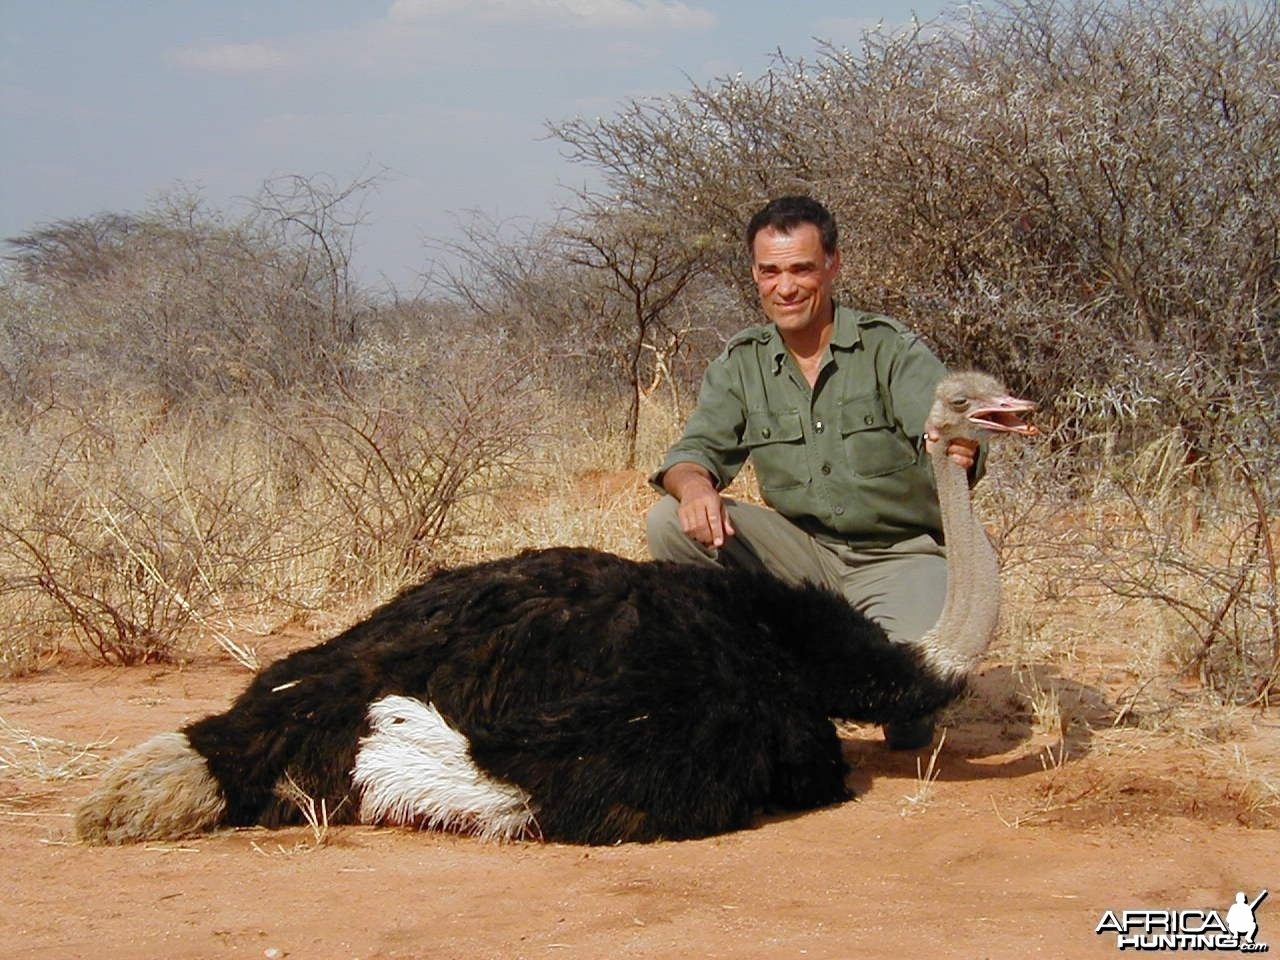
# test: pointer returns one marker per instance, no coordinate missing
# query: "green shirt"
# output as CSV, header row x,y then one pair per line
x,y
844,460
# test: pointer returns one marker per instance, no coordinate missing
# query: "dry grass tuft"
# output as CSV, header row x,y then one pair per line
x,y
926,781
30,756
315,814
1256,787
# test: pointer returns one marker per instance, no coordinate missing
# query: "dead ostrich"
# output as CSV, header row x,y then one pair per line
x,y
575,696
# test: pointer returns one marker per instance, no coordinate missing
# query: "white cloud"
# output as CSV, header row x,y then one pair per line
x,y
602,14
412,26
233,57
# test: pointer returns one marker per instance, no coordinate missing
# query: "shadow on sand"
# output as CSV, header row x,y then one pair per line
x,y
1012,722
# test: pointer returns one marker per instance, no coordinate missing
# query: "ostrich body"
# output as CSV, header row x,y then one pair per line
x,y
575,696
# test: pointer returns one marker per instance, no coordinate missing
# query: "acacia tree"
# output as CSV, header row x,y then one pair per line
x,y
182,301
1082,196
640,267
605,289
317,218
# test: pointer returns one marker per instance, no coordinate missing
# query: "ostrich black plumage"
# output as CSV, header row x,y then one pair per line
x,y
571,695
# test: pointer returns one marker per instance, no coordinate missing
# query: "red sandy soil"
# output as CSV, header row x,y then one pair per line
x,y
1017,850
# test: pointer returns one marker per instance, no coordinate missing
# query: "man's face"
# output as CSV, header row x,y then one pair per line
x,y
794,276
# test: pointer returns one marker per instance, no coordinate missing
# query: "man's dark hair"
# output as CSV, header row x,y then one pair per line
x,y
786,213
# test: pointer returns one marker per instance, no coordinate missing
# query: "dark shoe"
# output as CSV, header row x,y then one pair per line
x,y
909,734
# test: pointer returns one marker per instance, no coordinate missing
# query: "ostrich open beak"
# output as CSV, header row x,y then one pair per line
x,y
1003,415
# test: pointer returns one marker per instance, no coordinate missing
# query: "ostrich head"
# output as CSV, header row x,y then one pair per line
x,y
973,405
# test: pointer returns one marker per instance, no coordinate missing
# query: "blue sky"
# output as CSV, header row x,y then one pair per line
x,y
106,105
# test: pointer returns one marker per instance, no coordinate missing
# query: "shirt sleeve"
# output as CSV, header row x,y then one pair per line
x,y
713,436
913,377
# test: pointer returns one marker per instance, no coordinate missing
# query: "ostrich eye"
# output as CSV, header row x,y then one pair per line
x,y
959,403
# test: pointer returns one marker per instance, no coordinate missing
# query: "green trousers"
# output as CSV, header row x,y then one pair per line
x,y
902,587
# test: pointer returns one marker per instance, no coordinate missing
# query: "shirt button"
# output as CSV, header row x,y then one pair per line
x,y
868,420
839,511
826,468
766,433
819,425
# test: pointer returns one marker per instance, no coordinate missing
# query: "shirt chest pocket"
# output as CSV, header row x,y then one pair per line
x,y
873,444
776,443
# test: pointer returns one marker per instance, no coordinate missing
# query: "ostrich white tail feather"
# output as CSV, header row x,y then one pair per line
x,y
415,769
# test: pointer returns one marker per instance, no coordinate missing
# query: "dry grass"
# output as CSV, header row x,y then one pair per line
x,y
1257,783
33,767
1146,565
578,500
129,533
315,814
926,781
30,756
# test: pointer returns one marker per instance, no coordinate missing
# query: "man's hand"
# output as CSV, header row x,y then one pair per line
x,y
960,450
704,518
702,512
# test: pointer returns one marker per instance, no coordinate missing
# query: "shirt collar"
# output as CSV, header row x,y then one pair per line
x,y
847,333
846,336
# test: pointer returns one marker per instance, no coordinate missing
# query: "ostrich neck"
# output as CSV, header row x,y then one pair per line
x,y
972,606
